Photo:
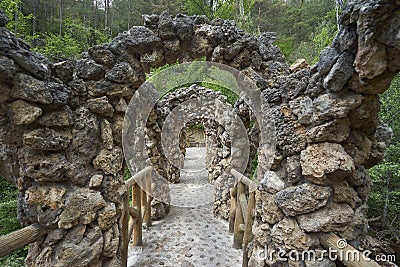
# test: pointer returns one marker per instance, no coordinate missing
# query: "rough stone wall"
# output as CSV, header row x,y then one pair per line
x,y
60,129
328,134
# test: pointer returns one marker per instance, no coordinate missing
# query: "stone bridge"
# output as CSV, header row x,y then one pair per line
x,y
61,130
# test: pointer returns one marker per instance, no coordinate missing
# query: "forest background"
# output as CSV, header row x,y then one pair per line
x,y
63,29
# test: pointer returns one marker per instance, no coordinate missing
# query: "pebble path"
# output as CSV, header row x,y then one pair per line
x,y
190,235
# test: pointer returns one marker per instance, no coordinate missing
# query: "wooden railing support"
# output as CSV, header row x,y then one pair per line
x,y
20,238
137,227
242,212
237,231
232,210
248,234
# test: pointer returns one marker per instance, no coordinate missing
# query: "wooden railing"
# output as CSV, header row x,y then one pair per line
x,y
241,215
135,216
20,238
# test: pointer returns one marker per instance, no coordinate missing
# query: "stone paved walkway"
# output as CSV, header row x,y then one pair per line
x,y
189,235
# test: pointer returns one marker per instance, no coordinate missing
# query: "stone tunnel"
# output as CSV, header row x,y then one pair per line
x,y
61,130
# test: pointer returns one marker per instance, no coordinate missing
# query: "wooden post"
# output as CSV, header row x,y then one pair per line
x,y
137,228
20,238
232,210
237,231
124,230
351,256
248,234
147,213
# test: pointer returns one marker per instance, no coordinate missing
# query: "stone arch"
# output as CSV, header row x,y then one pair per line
x,y
60,129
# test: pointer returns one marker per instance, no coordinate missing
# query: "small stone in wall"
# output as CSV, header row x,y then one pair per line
x,y
43,203
345,194
87,69
101,106
302,199
334,106
287,235
335,131
109,161
96,180
7,68
24,113
47,139
271,182
332,218
63,70
106,217
86,252
302,107
266,208
61,117
325,158
31,89
299,64
81,207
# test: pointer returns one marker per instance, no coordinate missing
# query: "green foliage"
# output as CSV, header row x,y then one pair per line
x,y
19,22
9,222
76,39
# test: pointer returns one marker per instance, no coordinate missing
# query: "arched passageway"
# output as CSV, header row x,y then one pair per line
x,y
61,126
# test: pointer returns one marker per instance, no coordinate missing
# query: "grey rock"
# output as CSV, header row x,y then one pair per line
x,y
59,92
101,106
109,161
31,89
43,203
43,167
340,73
123,73
266,208
327,58
60,118
287,235
325,158
335,105
332,218
302,107
47,139
271,182
96,180
101,88
81,207
141,40
7,68
102,55
346,39
302,199
88,69
32,62
24,113
63,70
75,253
335,131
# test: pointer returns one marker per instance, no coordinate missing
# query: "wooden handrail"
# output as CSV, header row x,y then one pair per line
x,y
20,238
132,219
138,176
